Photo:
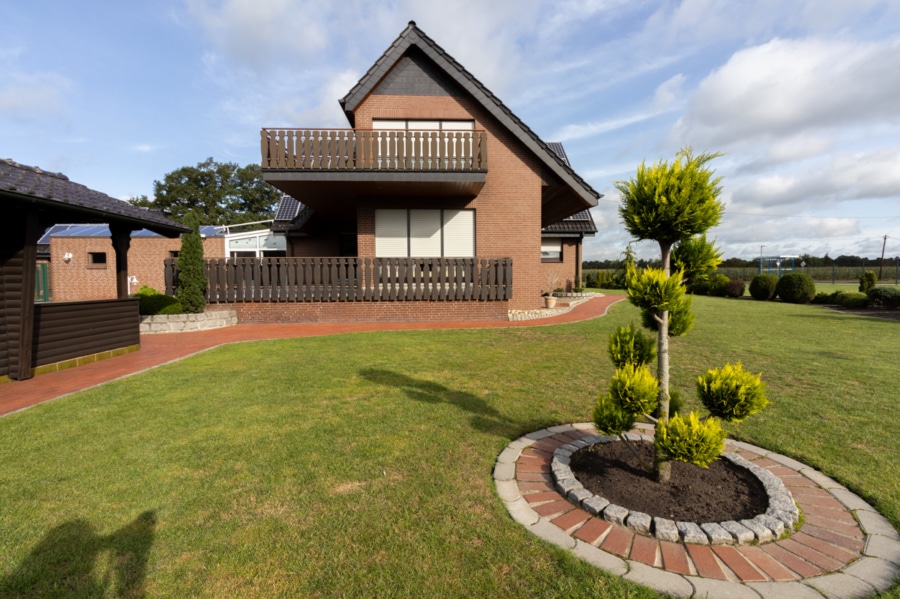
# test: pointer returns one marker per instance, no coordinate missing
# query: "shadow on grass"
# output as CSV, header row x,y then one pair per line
x,y
65,563
484,417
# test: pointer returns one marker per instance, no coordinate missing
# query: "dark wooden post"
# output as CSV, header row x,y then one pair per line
x,y
121,240
18,259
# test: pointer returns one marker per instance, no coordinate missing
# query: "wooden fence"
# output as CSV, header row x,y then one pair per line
x,y
350,149
352,279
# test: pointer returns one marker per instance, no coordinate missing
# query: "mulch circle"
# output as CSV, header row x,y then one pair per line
x,y
719,493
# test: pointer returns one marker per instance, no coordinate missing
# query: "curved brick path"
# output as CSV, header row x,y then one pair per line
x,y
844,549
162,349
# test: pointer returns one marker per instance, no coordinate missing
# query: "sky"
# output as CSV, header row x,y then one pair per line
x,y
802,97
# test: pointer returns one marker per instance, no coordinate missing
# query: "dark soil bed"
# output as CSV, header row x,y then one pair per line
x,y
721,492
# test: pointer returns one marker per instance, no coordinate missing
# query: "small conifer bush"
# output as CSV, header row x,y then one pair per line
x,y
610,419
867,281
796,288
762,286
630,346
681,319
690,439
731,393
854,300
634,389
717,285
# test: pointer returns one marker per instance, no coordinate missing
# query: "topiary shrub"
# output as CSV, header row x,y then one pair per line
x,y
796,288
884,297
851,299
690,440
734,288
634,389
825,298
867,281
717,285
731,393
158,303
191,278
630,346
762,287
610,419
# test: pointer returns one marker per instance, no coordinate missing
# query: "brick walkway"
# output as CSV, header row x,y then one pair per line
x,y
844,548
162,349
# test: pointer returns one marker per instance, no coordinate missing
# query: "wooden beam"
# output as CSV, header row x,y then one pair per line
x,y
121,241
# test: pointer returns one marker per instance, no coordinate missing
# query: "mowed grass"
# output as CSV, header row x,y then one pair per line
x,y
360,465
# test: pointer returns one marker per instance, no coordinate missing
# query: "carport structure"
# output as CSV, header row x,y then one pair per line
x,y
34,336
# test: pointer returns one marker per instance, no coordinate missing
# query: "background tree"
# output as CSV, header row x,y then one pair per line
x,y
222,192
191,278
667,203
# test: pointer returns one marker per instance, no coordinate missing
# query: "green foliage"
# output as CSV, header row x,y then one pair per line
x,y
867,281
796,288
223,192
731,393
734,288
676,404
884,297
717,285
670,202
634,389
146,290
851,299
690,440
681,318
762,287
610,419
825,298
697,258
192,281
630,346
652,290
150,304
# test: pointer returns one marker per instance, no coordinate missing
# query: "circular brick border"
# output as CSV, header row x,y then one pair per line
x,y
845,548
781,515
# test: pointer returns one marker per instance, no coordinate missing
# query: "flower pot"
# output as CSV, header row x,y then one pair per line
x,y
549,301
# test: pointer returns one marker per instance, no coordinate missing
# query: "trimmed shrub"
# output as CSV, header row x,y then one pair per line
x,y
731,393
734,288
630,346
634,389
884,297
159,304
851,299
610,419
717,285
762,287
825,298
191,278
699,287
796,288
867,281
690,440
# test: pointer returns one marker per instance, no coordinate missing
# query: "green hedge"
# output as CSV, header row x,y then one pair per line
x,y
796,288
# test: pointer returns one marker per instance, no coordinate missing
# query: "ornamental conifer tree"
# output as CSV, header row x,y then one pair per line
x,y
667,203
191,277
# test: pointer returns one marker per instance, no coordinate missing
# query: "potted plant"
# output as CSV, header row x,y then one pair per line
x,y
552,280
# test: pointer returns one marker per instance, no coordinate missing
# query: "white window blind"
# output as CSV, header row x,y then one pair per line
x,y
424,232
391,234
459,233
551,248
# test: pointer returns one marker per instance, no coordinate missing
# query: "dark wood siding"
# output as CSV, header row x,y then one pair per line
x,y
11,272
67,330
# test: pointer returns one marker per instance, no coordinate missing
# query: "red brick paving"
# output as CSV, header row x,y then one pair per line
x,y
675,557
767,564
618,541
811,555
644,550
789,560
161,349
572,520
593,531
739,564
705,562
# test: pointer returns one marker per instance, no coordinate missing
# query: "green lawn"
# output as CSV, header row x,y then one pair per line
x,y
360,465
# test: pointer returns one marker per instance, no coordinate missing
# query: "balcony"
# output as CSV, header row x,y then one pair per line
x,y
350,162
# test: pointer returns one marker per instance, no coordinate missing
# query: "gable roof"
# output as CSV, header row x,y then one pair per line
x,y
572,226
413,37
32,185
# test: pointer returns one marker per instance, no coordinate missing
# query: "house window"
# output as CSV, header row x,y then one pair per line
x,y
551,249
422,149
96,259
424,233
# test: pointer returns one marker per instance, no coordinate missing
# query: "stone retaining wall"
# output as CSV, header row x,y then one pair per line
x,y
180,323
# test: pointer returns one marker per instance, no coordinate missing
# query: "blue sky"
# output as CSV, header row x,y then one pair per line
x,y
803,96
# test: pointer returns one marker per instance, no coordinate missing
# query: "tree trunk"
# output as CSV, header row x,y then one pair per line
x,y
663,467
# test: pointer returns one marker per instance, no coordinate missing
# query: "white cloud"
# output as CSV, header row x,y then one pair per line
x,y
33,96
785,87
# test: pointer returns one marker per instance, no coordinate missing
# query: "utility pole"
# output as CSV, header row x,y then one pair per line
x,y
760,258
881,268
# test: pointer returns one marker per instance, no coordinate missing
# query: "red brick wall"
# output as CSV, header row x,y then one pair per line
x,y
76,280
340,312
565,270
508,209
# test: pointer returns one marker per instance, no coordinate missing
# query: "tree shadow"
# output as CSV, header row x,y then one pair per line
x,y
484,417
65,562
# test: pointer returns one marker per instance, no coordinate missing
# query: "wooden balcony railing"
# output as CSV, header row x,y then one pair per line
x,y
374,150
352,279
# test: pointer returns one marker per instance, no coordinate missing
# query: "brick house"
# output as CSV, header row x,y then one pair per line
x,y
81,266
436,175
